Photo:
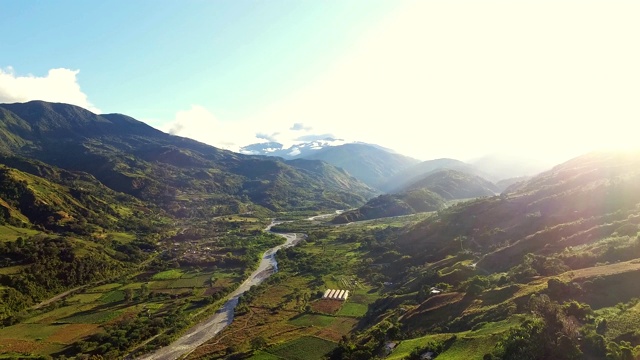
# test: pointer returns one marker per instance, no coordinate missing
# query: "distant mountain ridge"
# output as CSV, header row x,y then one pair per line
x,y
372,164
540,212
416,172
454,184
428,194
409,202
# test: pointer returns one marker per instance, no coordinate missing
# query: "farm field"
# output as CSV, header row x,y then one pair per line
x,y
470,345
353,309
303,348
10,233
185,292
290,322
55,327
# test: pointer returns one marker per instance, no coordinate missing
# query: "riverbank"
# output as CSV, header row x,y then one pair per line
x,y
209,328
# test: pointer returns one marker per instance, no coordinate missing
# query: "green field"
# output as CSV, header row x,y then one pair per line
x,y
261,355
191,282
353,309
11,233
303,348
469,348
405,347
11,270
85,298
105,287
29,331
112,296
122,238
91,317
469,345
168,275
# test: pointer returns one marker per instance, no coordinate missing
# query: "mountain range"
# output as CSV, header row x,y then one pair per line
x,y
180,174
370,163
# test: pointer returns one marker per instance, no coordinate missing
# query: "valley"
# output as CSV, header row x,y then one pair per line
x,y
224,316
120,241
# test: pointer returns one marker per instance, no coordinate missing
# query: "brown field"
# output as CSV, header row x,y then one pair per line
x,y
334,332
604,270
326,306
72,333
437,301
26,346
212,290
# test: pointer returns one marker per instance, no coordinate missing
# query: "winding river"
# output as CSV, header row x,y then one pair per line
x,y
210,327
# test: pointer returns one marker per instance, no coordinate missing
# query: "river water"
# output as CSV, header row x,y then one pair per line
x,y
210,327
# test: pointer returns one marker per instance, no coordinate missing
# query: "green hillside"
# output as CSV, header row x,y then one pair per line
x,y
410,202
453,184
181,175
428,194
414,173
371,164
557,258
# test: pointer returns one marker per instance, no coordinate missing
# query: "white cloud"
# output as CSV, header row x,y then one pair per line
x,y
542,79
59,85
200,124
294,152
300,126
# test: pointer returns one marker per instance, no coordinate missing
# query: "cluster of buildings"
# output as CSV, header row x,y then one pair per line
x,y
336,294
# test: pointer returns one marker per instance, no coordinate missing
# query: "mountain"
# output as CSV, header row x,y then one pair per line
x,y
369,163
387,205
453,184
416,172
506,183
181,175
58,232
33,193
505,166
302,149
578,203
372,164
428,194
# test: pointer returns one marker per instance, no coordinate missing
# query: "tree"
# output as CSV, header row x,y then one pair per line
x,y
128,295
258,343
601,328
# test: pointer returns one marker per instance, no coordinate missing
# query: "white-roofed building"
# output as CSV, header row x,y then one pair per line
x,y
326,293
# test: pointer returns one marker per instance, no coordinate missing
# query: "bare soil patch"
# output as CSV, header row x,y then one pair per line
x,y
73,332
326,306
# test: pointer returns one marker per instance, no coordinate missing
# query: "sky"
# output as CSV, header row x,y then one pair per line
x,y
538,80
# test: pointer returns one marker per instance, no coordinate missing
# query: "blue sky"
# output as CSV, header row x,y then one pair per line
x,y
150,58
545,80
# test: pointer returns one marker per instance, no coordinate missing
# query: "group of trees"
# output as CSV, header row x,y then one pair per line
x,y
564,332
121,336
51,266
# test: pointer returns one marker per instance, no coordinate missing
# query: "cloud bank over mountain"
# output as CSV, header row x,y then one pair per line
x,y
59,85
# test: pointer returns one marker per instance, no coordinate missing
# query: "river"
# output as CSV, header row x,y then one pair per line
x,y
206,330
